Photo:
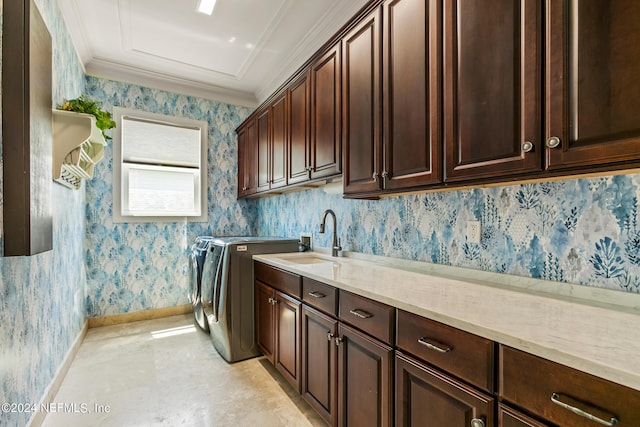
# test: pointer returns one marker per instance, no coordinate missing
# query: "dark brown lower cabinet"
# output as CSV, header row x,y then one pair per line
x,y
365,380
427,398
508,417
265,321
319,370
278,331
287,327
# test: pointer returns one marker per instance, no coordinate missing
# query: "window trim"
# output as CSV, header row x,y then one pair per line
x,y
118,114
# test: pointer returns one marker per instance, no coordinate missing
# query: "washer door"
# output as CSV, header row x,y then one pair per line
x,y
194,291
211,274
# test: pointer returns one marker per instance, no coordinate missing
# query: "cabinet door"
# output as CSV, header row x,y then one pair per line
x,y
427,398
299,150
264,141
247,159
492,88
319,386
242,161
412,93
278,153
326,155
287,355
361,114
365,387
593,89
265,320
508,417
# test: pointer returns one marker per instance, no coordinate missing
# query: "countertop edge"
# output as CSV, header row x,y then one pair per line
x,y
615,374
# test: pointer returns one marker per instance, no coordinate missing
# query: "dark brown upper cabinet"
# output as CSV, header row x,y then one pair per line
x,y
26,130
264,148
400,148
593,84
412,97
326,147
247,158
278,145
492,88
361,106
425,94
299,150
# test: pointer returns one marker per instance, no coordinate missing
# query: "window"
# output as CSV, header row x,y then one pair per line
x,y
159,168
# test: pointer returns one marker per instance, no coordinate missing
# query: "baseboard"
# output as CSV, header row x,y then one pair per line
x,y
37,418
156,313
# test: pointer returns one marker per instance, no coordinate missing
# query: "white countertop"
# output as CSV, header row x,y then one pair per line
x,y
591,329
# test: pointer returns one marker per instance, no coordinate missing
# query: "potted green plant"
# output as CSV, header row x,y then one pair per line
x,y
82,104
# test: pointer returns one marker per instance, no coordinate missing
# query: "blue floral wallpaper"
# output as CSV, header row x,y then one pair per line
x,y
42,298
583,231
134,267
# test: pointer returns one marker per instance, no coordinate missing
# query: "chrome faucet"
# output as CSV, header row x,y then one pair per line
x,y
336,242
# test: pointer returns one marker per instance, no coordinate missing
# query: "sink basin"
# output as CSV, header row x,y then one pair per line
x,y
309,260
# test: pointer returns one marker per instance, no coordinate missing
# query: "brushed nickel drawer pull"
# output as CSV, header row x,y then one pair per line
x,y
360,313
317,294
430,346
555,398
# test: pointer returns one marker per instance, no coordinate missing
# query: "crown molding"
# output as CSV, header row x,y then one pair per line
x,y
79,39
143,77
318,35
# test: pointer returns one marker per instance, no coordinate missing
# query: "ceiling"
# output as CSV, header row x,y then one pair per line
x,y
240,54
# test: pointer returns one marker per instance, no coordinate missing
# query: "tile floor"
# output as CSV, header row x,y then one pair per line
x,y
165,372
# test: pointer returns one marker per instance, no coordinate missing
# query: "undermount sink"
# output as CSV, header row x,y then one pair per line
x,y
309,260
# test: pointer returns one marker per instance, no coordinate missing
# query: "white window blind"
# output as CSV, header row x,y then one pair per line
x,y
158,143
162,167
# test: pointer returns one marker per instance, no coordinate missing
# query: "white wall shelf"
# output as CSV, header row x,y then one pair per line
x,y
78,145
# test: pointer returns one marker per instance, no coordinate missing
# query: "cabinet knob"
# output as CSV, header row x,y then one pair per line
x,y
477,422
375,176
338,340
385,174
329,336
527,146
553,142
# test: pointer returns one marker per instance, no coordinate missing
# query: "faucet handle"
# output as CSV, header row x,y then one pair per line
x,y
338,246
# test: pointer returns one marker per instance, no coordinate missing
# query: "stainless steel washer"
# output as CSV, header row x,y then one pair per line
x,y
228,292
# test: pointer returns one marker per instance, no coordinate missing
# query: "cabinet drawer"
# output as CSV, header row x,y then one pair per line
x,y
278,279
320,295
460,353
373,317
543,387
508,417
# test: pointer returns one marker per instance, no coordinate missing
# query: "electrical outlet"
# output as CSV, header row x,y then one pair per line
x,y
473,231
306,240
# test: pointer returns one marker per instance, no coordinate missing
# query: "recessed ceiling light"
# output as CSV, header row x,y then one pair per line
x,y
232,39
206,6
248,46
